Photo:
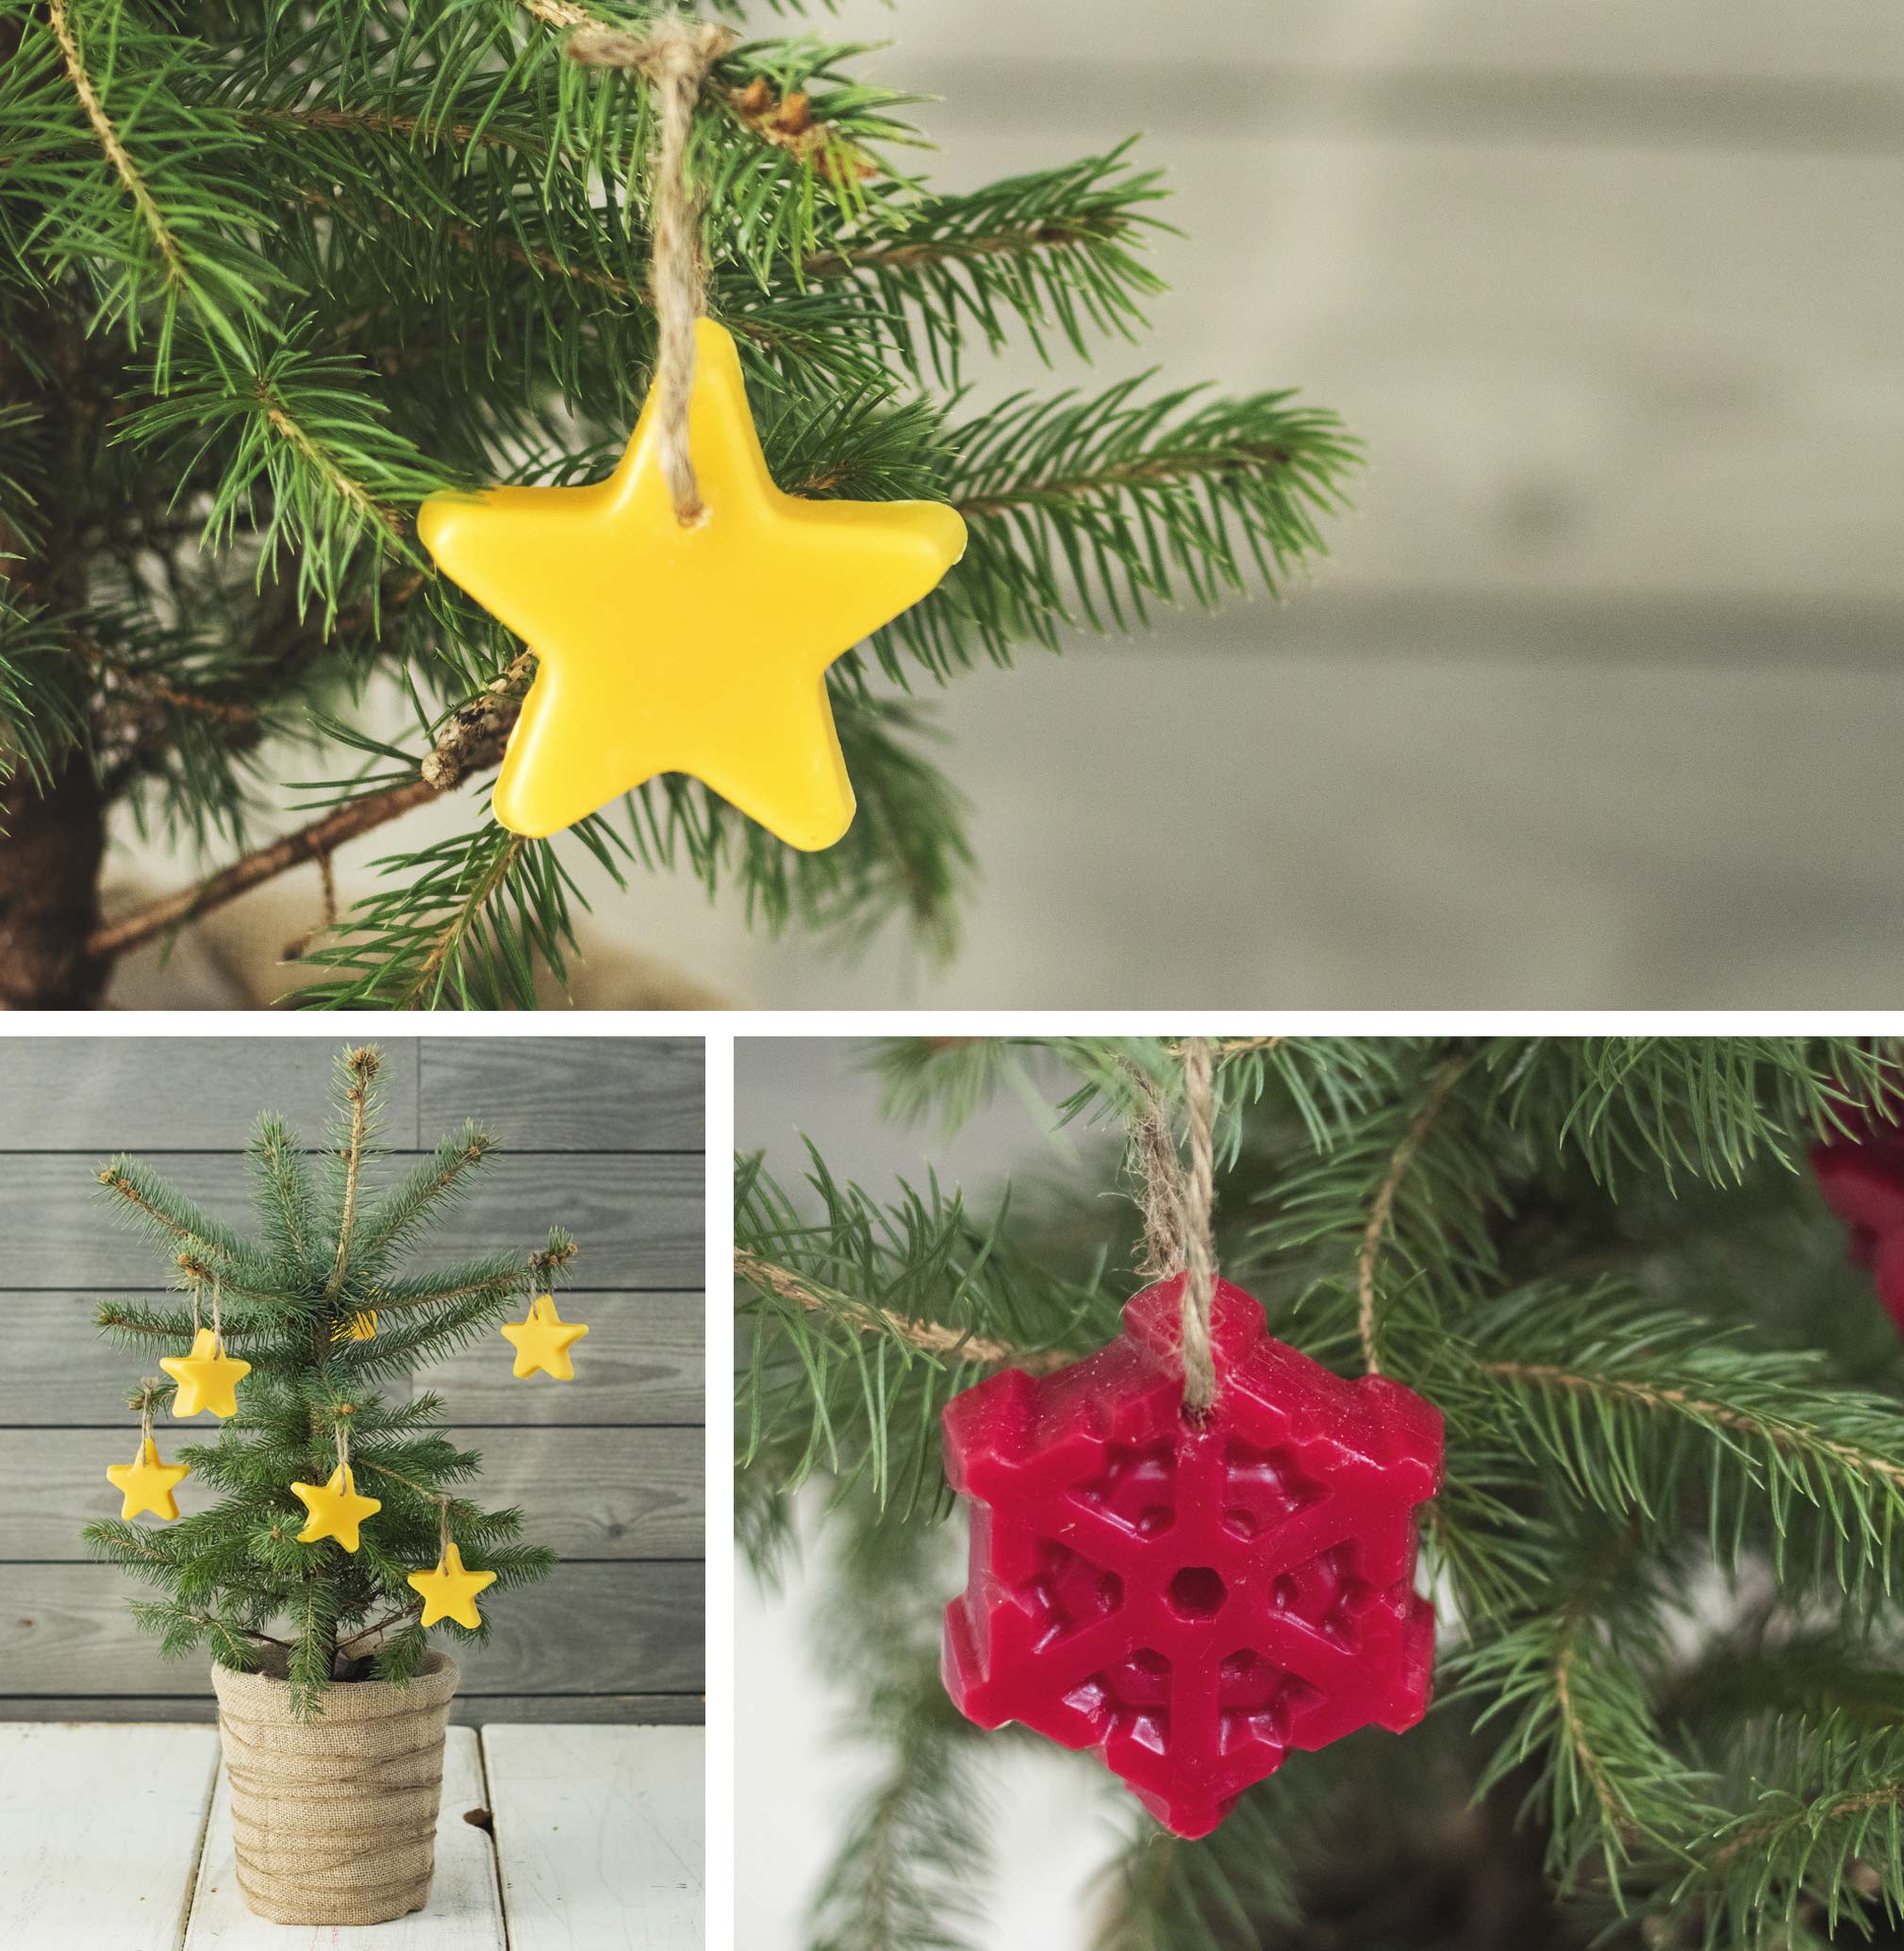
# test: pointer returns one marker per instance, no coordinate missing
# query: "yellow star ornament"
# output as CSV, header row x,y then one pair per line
x,y
544,1340
700,650
148,1484
207,1377
335,1510
450,1591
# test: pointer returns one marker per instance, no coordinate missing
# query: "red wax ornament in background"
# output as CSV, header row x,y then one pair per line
x,y
1191,1598
1863,1181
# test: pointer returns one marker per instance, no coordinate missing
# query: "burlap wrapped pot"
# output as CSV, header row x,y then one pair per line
x,y
335,1820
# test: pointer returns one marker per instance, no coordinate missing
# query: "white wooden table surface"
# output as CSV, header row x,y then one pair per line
x,y
118,1838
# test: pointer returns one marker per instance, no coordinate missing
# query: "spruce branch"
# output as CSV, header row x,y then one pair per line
x,y
124,168
1383,1204
929,1337
472,741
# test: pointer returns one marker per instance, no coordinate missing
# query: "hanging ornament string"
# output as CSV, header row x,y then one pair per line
x,y
217,1322
1177,1211
673,58
344,1436
443,1528
147,1384
1200,1249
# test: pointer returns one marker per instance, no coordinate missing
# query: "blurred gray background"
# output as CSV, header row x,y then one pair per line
x,y
1597,701
605,1136
1054,1821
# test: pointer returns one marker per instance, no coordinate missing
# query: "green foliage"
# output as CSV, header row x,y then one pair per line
x,y
270,274
327,1249
1665,1555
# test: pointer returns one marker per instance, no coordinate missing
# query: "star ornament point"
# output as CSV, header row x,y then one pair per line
x,y
207,1377
148,1484
335,1509
450,1591
543,1341
701,649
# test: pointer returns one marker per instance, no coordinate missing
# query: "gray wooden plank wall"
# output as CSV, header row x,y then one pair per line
x,y
602,1135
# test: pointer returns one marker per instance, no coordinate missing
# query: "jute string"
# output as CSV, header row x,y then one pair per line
x,y
334,1820
148,1386
1177,1207
217,1322
673,57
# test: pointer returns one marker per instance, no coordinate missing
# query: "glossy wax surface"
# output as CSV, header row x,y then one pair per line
x,y
543,1341
148,1484
704,650
207,1377
1191,1600
450,1591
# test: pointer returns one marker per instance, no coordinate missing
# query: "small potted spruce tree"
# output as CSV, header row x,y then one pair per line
x,y
327,1535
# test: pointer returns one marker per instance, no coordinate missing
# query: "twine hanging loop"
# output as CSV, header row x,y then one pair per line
x,y
1177,1206
673,57
1200,1248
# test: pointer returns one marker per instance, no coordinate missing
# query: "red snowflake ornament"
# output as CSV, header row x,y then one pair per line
x,y
1863,1181
1192,1599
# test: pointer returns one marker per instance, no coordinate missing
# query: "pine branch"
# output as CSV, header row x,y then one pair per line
x,y
1382,1205
473,741
927,1336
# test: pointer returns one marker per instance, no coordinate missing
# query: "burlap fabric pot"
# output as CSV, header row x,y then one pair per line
x,y
335,1820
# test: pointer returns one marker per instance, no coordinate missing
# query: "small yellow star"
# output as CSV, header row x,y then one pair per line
x,y
207,1377
360,1327
544,1340
148,1484
450,1591
702,650
335,1510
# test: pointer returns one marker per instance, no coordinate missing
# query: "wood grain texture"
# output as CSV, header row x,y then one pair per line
x,y
600,1836
643,1362
466,1711
590,1494
99,1833
638,1219
589,1629
465,1907
602,1135
108,1094
569,1093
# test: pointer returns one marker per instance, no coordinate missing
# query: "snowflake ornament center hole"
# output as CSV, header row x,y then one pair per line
x,y
1197,1593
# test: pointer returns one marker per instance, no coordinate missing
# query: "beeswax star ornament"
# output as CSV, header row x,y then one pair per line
x,y
335,1510
702,650
148,1484
450,1591
207,1377
544,1340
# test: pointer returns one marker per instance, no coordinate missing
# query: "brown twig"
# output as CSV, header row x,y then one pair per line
x,y
116,155
472,741
382,1624
1384,1204
1162,472
1573,1619
896,253
1789,1440
927,1336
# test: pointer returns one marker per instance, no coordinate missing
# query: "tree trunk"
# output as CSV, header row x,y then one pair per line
x,y
51,845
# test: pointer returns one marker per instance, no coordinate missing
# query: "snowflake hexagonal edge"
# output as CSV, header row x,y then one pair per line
x,y
1191,1599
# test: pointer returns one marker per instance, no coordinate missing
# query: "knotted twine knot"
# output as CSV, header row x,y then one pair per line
x,y
673,58
1177,1206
